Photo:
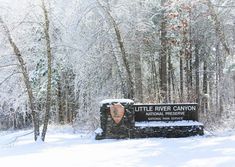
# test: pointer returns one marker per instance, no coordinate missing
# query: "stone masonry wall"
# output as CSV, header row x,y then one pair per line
x,y
126,128
111,130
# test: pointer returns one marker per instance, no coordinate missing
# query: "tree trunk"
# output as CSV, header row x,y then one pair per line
x,y
155,77
190,56
26,79
220,83
138,79
187,73
124,92
205,88
173,79
129,80
197,77
153,83
60,102
191,77
170,70
49,71
181,79
163,55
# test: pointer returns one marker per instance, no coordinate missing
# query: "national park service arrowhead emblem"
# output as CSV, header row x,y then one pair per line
x,y
117,112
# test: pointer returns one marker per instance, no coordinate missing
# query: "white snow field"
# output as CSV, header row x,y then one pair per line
x,y
63,148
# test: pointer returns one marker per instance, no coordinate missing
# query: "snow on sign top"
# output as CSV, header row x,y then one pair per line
x,y
171,123
110,101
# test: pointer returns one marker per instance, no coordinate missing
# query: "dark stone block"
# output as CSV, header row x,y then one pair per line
x,y
168,132
111,130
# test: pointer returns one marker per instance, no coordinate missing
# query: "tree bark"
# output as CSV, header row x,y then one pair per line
x,y
129,80
181,79
205,88
49,70
170,70
190,54
163,55
124,92
60,102
138,79
220,78
197,77
25,77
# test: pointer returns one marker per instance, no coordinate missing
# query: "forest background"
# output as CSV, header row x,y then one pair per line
x,y
59,59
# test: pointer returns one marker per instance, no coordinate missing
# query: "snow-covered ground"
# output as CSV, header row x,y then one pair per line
x,y
63,148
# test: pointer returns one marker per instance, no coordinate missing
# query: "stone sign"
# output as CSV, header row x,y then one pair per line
x,y
121,118
166,112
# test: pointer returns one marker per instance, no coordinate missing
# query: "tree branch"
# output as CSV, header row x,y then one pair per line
x,y
218,27
220,6
17,137
8,65
9,77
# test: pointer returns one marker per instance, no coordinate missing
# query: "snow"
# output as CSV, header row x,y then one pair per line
x,y
109,101
66,147
163,104
170,123
99,131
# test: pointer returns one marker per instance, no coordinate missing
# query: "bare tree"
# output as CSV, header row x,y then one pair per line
x,y
129,80
49,69
25,77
